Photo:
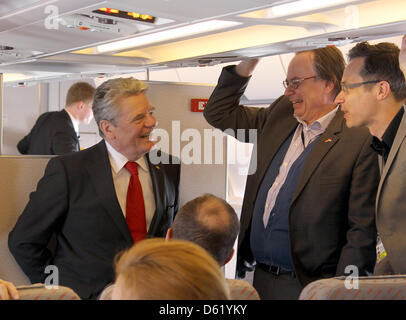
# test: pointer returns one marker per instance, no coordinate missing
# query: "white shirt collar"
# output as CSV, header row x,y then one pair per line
x,y
74,121
321,123
118,160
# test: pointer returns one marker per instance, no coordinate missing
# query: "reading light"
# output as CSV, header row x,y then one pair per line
x,y
302,6
171,34
10,77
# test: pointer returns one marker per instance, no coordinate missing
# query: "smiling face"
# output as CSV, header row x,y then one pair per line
x,y
358,104
313,97
131,134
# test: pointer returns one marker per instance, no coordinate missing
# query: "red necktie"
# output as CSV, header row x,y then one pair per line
x,y
135,208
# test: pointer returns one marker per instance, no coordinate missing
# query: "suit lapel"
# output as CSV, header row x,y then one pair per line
x,y
100,173
326,141
400,136
279,132
158,185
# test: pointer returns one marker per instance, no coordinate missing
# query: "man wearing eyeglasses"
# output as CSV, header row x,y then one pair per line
x,y
372,95
308,210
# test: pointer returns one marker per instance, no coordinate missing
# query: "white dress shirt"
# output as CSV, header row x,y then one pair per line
x,y
121,179
74,122
298,144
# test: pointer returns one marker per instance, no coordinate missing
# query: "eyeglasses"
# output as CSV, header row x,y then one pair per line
x,y
345,87
295,83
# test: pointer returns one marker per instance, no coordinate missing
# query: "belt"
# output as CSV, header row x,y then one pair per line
x,y
275,270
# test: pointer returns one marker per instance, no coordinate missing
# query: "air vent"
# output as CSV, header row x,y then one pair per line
x,y
7,51
320,42
106,21
211,61
343,39
5,48
90,23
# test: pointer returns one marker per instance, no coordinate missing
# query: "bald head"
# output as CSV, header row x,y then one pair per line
x,y
209,222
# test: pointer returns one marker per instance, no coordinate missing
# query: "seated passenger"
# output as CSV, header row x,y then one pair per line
x,y
213,224
155,269
8,291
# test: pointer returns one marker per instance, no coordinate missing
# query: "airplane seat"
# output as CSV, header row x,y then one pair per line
x,y
242,290
38,291
388,287
239,290
20,176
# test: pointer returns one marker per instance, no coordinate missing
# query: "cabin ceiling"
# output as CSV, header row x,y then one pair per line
x,y
50,38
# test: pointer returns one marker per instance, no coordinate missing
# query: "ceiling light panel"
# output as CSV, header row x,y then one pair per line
x,y
171,34
303,6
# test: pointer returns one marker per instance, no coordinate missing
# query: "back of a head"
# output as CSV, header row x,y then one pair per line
x,y
211,223
381,63
80,91
155,269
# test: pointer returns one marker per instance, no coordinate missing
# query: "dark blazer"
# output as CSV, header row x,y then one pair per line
x,y
53,133
391,204
331,218
76,201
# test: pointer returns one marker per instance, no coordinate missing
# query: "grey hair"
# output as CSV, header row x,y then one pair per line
x,y
106,96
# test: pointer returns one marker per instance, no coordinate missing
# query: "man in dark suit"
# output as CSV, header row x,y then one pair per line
x,y
373,95
308,209
87,198
57,132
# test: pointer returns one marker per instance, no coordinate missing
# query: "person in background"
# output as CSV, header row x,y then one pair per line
x,y
308,209
155,269
57,132
373,95
99,201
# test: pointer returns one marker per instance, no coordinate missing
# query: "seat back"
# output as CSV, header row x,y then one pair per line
x,y
40,292
242,290
239,290
19,176
392,287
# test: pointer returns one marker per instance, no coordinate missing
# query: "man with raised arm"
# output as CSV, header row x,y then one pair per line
x,y
308,209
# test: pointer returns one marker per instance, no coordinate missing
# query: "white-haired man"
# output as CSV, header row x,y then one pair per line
x,y
101,200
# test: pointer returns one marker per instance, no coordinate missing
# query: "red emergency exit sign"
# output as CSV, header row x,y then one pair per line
x,y
197,105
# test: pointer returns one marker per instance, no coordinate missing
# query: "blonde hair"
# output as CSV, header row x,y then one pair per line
x,y
155,269
80,91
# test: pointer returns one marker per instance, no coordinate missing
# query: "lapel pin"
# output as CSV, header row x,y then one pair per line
x,y
328,140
